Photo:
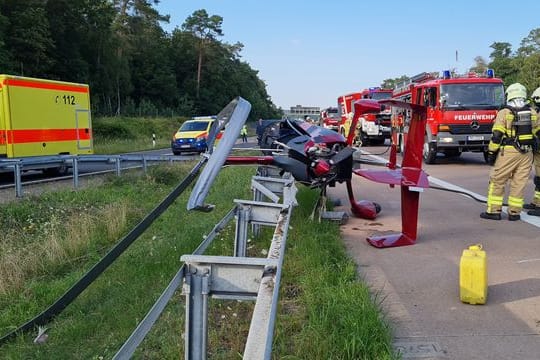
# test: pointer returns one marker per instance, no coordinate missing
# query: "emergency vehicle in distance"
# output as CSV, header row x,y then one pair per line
x,y
345,108
41,117
375,128
460,112
372,128
330,119
192,135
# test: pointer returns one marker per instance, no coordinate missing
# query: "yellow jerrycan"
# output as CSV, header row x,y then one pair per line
x,y
473,275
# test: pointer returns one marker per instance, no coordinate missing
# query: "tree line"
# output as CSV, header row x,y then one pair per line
x,y
521,65
133,66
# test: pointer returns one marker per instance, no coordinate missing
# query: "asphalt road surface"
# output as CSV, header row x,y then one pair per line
x,y
418,285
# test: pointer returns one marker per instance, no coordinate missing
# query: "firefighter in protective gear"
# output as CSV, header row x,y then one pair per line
x,y
510,153
534,206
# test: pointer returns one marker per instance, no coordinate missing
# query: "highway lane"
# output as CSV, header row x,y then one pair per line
x,y
468,171
418,286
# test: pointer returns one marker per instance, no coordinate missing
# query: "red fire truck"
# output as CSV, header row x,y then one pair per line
x,y
345,108
375,128
330,118
460,112
372,128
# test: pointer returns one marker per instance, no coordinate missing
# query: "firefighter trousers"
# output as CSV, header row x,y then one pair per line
x,y
514,166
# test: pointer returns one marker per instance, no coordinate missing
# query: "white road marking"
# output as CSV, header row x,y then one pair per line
x,y
528,260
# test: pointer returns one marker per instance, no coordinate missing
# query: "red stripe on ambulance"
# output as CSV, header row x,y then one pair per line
x,y
46,135
45,85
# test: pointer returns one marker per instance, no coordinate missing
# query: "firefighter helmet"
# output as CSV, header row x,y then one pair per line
x,y
515,91
536,95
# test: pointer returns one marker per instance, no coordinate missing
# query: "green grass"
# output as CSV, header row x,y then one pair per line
x,y
103,316
324,313
114,135
119,134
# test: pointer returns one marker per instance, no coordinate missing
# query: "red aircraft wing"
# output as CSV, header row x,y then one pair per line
x,y
402,177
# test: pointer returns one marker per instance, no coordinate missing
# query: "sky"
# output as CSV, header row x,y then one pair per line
x,y
310,52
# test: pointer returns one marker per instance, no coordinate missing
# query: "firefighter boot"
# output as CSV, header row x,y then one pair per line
x,y
490,216
533,206
535,212
514,217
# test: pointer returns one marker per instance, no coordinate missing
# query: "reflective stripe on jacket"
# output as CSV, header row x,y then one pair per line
x,y
503,123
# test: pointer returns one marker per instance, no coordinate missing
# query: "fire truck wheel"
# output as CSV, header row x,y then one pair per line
x,y
363,139
486,156
427,153
401,145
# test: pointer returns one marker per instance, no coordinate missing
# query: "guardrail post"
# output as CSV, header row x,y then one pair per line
x,y
240,238
271,188
221,277
257,196
196,290
18,180
144,164
118,167
75,169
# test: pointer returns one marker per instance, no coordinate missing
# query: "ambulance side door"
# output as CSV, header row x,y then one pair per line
x,y
84,131
3,126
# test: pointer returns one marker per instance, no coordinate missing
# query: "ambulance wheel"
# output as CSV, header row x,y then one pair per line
x,y
428,154
56,171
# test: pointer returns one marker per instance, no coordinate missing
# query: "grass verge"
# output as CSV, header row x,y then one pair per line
x,y
325,313
115,135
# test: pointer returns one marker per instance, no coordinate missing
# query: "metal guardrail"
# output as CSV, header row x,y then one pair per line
x,y
112,255
18,166
221,277
231,277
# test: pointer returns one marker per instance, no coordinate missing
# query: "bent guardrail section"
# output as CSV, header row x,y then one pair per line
x,y
232,277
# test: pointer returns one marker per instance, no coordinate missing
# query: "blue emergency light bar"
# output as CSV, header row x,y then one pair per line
x,y
446,74
490,73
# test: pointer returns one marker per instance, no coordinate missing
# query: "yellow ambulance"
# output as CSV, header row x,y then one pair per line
x,y
41,117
